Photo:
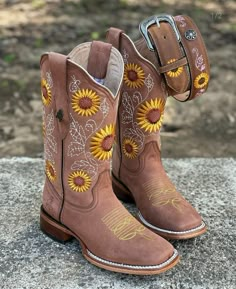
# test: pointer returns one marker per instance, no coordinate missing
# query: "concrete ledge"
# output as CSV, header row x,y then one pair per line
x,y
30,260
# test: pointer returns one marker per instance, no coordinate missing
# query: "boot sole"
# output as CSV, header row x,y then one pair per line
x,y
125,195
62,234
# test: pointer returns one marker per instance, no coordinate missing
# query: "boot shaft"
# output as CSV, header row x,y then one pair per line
x,y
176,64
80,98
141,107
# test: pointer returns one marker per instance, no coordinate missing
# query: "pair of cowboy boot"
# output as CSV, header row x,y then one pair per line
x,y
85,107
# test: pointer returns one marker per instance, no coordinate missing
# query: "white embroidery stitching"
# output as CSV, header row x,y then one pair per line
x,y
199,63
125,56
128,112
77,133
180,19
89,165
104,107
149,82
136,134
50,143
200,92
49,79
74,85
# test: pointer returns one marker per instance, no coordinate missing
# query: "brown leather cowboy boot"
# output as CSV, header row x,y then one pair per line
x,y
80,95
171,59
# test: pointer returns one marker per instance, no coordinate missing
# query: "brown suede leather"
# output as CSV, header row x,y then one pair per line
x,y
98,59
78,192
137,168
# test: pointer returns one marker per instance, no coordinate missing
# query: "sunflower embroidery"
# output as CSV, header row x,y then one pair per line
x,y
85,102
201,80
50,171
79,181
133,75
150,114
102,142
130,148
43,129
45,92
176,71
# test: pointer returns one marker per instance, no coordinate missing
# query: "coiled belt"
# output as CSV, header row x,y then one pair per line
x,y
175,46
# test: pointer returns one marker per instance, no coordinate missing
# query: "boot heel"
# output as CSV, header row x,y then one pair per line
x,y
53,229
121,191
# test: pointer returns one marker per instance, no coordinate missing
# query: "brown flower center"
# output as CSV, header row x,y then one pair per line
x,y
201,80
132,75
107,143
79,181
85,102
174,70
128,148
45,92
153,115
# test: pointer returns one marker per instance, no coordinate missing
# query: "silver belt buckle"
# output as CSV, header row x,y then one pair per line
x,y
156,19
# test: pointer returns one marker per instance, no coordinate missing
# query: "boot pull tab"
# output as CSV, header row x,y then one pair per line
x,y
58,68
113,36
99,56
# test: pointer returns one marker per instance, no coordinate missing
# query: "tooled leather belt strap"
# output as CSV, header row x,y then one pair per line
x,y
180,51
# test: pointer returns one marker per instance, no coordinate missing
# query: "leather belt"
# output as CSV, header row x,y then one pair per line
x,y
180,52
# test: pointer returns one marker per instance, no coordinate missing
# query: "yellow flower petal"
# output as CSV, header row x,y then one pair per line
x,y
50,171
130,148
101,143
174,72
150,115
133,75
45,92
85,102
79,181
201,80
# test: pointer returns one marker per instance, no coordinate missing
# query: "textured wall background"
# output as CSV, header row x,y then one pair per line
x,y
203,127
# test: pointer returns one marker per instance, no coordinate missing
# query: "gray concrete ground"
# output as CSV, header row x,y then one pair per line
x,y
29,259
